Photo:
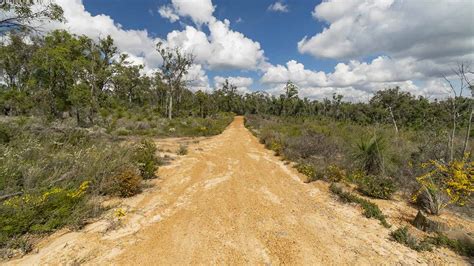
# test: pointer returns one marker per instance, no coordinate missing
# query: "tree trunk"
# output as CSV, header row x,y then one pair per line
x,y
451,155
393,119
170,106
468,133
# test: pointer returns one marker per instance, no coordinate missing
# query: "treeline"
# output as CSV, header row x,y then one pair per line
x,y
63,75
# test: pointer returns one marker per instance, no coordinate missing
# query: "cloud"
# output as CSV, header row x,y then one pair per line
x,y
168,13
197,79
218,48
356,80
278,7
242,83
200,11
223,48
400,28
417,44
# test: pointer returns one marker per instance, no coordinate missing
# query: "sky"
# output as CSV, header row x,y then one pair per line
x,y
348,47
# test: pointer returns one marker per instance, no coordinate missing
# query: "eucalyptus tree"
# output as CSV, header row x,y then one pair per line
x,y
27,15
289,98
15,55
175,66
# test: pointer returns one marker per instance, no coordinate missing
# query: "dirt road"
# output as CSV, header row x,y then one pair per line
x,y
230,201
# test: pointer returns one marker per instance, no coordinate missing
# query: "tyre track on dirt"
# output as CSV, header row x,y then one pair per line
x,y
231,201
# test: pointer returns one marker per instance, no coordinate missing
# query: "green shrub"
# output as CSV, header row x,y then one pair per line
x,y
402,236
463,248
371,210
277,147
369,154
377,187
334,173
5,134
182,150
145,158
307,170
41,212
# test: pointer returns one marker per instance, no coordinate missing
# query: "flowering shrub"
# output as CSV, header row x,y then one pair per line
x,y
307,170
40,213
444,184
335,173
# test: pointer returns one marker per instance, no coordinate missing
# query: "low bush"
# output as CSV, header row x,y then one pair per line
x,y
145,158
369,154
161,127
5,134
47,164
445,183
125,183
307,170
402,236
182,150
334,173
463,248
43,212
377,187
371,210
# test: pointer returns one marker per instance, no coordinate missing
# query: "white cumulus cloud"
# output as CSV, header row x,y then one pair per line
x,y
278,7
221,48
200,11
418,43
421,29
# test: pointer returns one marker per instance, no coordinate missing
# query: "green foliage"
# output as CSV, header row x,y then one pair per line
x,y
334,173
370,154
445,183
371,210
5,134
463,248
182,150
145,158
307,170
19,15
402,236
43,212
60,170
377,186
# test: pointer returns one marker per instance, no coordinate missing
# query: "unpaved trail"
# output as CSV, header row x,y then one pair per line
x,y
231,201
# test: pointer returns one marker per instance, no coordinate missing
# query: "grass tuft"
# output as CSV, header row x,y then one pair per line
x,y
371,210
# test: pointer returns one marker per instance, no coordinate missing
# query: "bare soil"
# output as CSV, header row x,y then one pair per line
x,y
231,201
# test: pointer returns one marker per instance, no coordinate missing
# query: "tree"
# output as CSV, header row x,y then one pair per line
x,y
56,66
21,15
287,100
202,99
463,73
127,80
175,66
230,97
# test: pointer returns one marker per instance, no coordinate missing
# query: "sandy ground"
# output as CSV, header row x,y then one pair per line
x,y
231,201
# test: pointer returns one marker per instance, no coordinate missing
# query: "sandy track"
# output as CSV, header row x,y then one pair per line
x,y
230,201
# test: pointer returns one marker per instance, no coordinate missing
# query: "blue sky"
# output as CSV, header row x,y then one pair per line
x,y
278,33
352,47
